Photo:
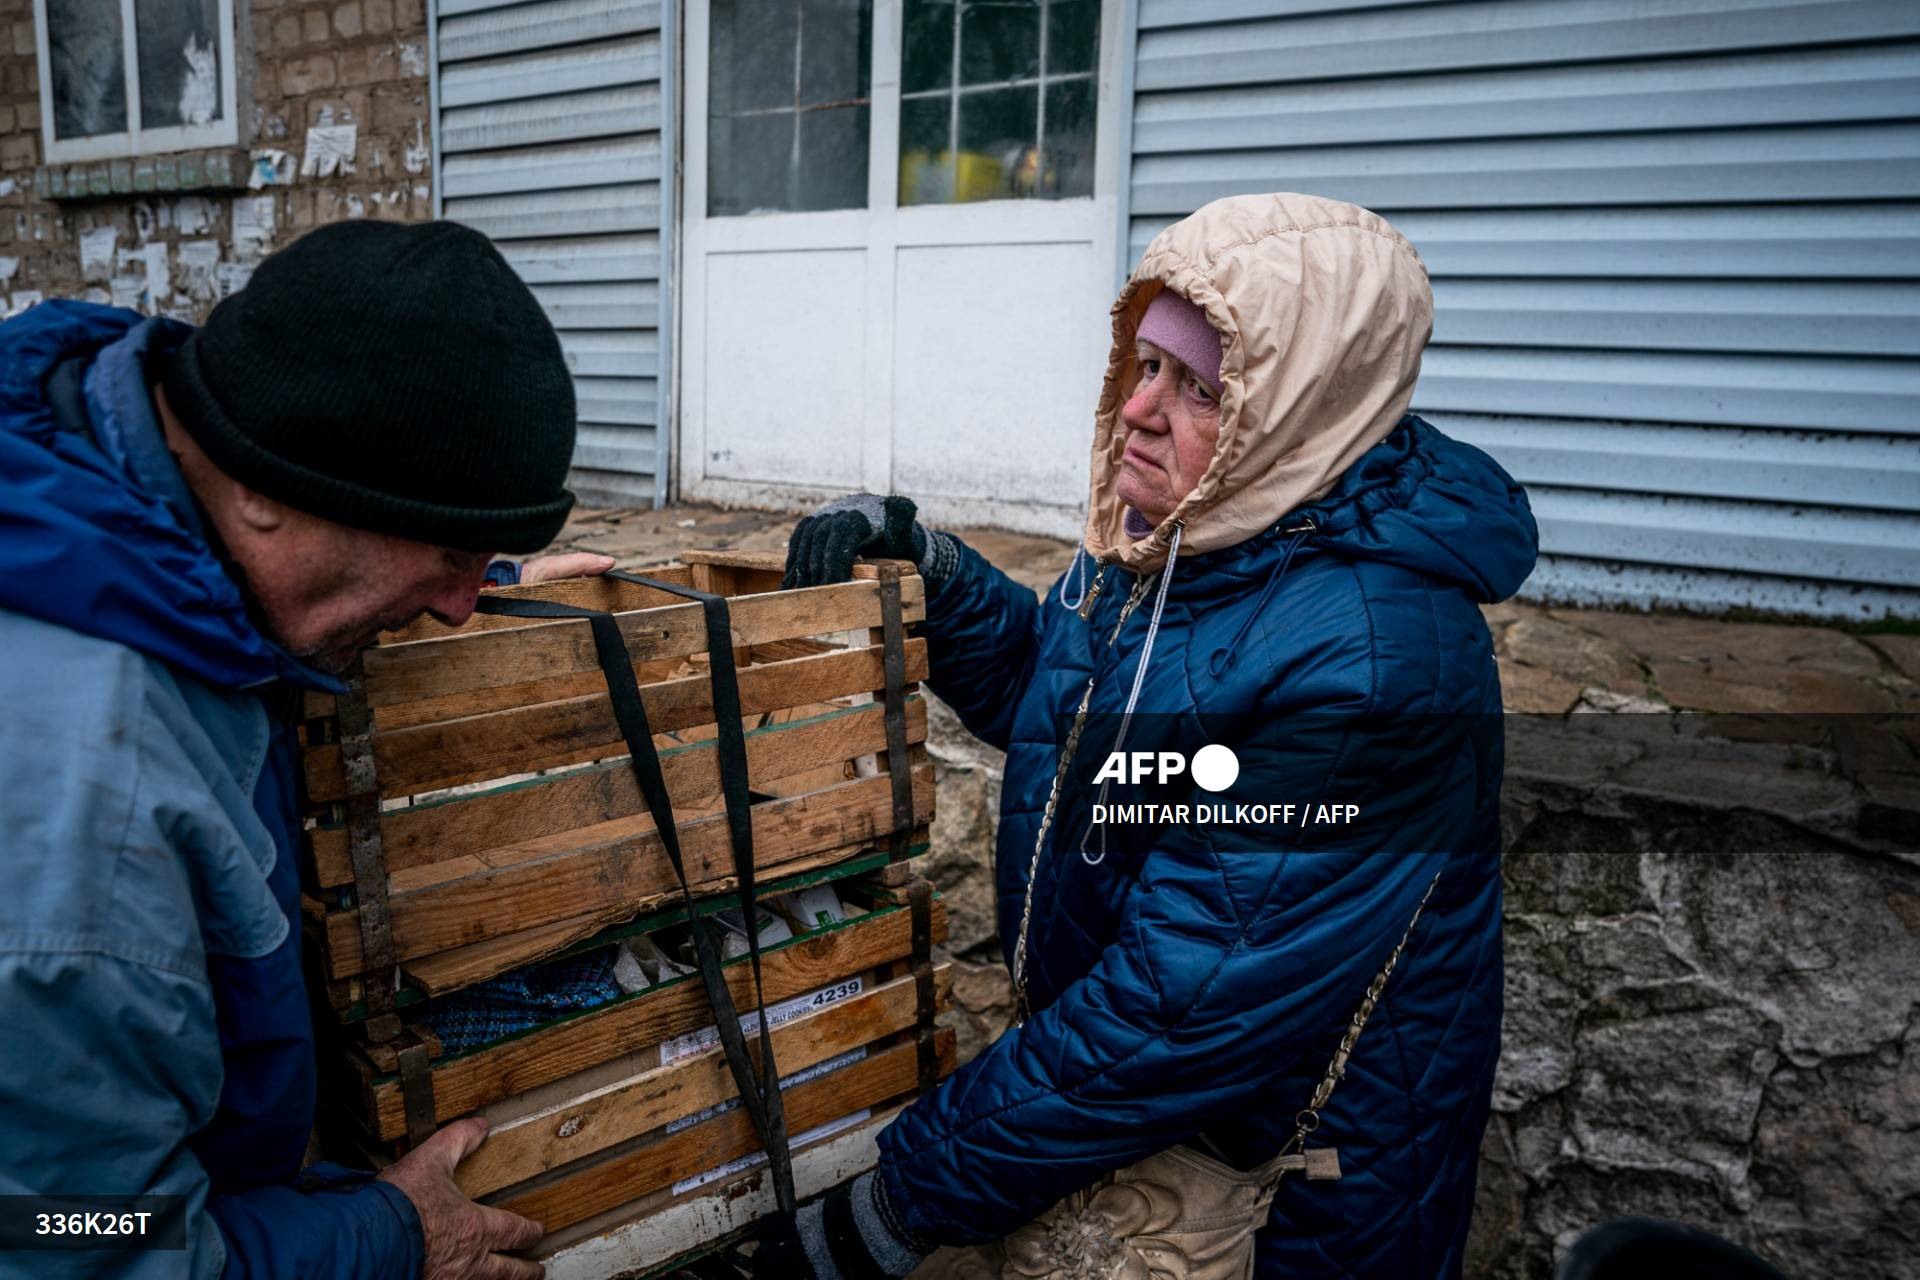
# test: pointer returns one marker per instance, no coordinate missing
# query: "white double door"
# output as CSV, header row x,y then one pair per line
x,y
949,352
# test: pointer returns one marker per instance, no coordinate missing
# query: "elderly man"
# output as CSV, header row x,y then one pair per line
x,y
1287,564
194,527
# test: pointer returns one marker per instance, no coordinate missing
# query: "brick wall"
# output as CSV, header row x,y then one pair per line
x,y
301,64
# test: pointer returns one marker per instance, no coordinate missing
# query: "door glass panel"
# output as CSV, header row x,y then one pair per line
x,y
787,105
1019,123
1068,146
926,46
999,41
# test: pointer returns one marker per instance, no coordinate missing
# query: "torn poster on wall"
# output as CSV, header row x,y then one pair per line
x,y
232,277
271,168
159,275
417,150
192,215
198,260
253,219
96,252
330,150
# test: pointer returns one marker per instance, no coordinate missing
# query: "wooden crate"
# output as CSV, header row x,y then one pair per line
x,y
492,862
485,769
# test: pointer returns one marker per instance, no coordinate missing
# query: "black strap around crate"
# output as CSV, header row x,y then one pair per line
x,y
759,1091
893,636
920,906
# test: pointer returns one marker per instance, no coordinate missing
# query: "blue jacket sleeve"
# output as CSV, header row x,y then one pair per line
x,y
336,1224
983,632
118,1116
1228,965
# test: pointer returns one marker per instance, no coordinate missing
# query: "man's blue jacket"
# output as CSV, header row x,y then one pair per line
x,y
1197,979
157,1037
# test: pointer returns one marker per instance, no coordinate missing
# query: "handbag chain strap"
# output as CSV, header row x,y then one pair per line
x,y
1308,1118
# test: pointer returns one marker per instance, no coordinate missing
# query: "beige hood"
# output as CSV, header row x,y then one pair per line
x,y
1323,310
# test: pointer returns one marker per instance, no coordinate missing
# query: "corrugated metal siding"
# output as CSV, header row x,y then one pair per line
x,y
1674,248
551,138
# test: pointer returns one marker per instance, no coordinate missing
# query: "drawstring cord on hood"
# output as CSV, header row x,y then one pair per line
x,y
1133,694
1079,566
1222,659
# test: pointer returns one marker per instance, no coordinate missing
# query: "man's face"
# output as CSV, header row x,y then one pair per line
x,y
1173,422
327,591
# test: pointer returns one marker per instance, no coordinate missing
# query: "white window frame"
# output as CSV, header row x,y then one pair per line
x,y
135,141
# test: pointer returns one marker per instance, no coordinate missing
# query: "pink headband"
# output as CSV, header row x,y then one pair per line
x,y
1180,329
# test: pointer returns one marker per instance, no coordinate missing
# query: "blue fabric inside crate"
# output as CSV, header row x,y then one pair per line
x,y
523,999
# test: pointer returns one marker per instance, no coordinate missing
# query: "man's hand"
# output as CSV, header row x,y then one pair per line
x,y
575,564
465,1241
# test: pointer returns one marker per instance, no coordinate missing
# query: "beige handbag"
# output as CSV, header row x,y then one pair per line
x,y
1178,1215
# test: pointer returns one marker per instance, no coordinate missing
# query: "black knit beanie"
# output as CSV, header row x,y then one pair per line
x,y
394,378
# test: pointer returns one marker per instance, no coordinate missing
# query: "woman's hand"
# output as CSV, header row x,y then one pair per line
x,y
825,544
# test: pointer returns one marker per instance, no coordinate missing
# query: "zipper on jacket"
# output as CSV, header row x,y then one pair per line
x,y
1134,597
1093,591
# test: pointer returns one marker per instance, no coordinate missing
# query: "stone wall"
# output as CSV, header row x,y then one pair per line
x,y
332,65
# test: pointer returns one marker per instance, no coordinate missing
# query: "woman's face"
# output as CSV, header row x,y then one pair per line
x,y
1172,423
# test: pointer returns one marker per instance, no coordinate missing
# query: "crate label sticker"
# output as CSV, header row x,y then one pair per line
x,y
758,1158
813,1072
671,1051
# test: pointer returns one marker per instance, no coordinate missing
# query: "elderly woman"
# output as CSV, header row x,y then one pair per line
x,y
1279,559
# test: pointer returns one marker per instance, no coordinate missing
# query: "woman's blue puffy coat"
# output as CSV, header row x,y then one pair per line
x,y
1197,982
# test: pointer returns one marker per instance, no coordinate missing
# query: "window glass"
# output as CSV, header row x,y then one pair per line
x,y
999,40
1073,35
88,75
926,46
787,105
1020,120
1068,146
178,47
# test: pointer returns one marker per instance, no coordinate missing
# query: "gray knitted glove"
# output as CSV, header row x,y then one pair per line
x,y
825,544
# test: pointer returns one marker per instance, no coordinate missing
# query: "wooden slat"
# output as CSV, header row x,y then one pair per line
x,y
471,1081
463,966
529,810
568,1196
609,595
760,561
548,734
642,1236
489,659
521,1149
475,702
619,867
587,593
